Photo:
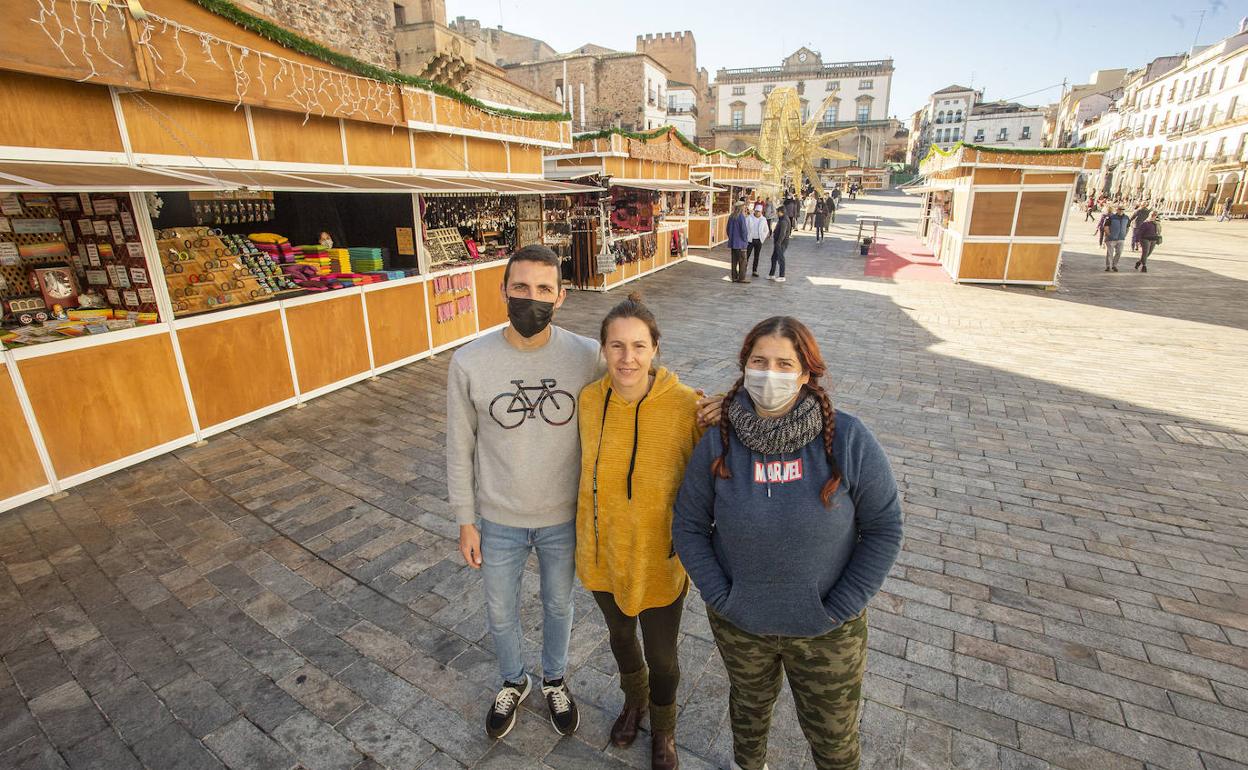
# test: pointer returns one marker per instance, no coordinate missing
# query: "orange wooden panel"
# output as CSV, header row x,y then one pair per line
x,y
491,308
1049,179
328,341
370,144
992,213
29,48
1041,214
487,155
103,403
1094,161
439,152
206,129
646,265
83,118
398,322
700,232
1033,261
526,160
283,136
998,176
615,167
983,260
21,470
463,326
418,105
237,366
633,166
450,112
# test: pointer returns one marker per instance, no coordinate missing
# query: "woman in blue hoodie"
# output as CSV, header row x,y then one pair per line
x,y
788,521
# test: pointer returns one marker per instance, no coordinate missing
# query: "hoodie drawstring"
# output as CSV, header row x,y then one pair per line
x,y
632,460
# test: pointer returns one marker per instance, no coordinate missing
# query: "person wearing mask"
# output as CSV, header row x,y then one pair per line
x,y
808,210
779,243
638,430
1115,231
738,242
1150,237
821,219
510,409
769,213
759,231
788,522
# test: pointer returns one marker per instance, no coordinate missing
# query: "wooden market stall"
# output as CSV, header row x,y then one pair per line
x,y
644,215
733,176
117,113
993,215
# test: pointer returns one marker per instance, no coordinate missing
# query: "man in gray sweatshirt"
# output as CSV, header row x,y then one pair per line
x,y
513,458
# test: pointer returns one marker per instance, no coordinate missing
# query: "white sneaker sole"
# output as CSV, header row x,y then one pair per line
x,y
516,714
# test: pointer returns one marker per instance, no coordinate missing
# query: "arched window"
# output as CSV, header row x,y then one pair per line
x,y
940,117
957,118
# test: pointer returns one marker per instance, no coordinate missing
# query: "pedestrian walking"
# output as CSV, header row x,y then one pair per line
x,y
1150,238
759,230
769,213
1137,218
788,522
832,203
808,211
1091,209
738,242
836,197
1100,229
1115,232
779,243
1225,216
821,219
638,430
527,500
792,208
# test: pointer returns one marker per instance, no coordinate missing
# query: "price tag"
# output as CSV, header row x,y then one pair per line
x,y
127,224
135,250
97,277
5,225
101,227
8,254
68,226
86,228
85,199
105,207
10,205
131,298
114,298
68,204
93,255
120,279
114,227
147,296
138,275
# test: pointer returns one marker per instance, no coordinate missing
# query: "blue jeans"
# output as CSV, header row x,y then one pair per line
x,y
504,550
777,258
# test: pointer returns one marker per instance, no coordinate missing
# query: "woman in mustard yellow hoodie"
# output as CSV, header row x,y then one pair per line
x,y
638,429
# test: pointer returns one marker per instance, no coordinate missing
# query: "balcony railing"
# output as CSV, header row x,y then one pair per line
x,y
750,72
822,126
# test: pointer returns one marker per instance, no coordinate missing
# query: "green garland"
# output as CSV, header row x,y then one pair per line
x,y
689,144
296,42
934,150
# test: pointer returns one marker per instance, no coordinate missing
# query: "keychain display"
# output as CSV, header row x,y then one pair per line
x,y
488,220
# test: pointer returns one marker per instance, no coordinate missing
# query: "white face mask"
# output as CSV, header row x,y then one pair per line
x,y
770,390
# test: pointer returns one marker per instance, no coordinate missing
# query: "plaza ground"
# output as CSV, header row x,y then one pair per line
x,y
1072,591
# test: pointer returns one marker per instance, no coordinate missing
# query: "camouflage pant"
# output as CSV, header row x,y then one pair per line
x,y
825,675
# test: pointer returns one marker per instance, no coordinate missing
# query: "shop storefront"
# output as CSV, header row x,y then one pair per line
x,y
208,247
995,215
641,223
734,179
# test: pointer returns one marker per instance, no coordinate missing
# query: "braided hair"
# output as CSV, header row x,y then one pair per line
x,y
812,364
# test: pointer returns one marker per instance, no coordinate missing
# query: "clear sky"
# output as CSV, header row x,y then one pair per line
x,y
1008,48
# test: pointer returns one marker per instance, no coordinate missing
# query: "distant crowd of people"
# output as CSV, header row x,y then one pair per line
x,y
753,222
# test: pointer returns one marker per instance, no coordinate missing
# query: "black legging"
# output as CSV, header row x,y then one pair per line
x,y
660,628
755,248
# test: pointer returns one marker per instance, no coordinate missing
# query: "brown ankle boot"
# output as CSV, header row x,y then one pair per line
x,y
636,687
663,751
624,731
663,737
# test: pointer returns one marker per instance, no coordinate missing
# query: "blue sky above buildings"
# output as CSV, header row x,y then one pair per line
x,y
1008,48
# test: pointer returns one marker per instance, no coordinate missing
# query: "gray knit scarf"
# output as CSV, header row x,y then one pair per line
x,y
778,435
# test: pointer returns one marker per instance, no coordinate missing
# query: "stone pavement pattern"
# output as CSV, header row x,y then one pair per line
x,y
1072,592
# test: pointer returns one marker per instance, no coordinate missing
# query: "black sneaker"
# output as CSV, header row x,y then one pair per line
x,y
563,714
502,716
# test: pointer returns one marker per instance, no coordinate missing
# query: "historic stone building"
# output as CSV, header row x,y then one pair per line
x,y
362,28
678,51
862,89
628,90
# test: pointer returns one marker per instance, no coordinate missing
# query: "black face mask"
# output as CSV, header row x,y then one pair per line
x,y
529,316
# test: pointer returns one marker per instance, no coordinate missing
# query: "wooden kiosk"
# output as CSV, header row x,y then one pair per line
x,y
625,164
994,215
732,176
180,99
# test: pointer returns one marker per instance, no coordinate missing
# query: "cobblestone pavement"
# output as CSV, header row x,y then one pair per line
x,y
1073,590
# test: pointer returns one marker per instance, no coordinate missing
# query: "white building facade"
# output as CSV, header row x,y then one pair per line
x,y
682,108
655,113
862,91
1180,137
958,114
1005,125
